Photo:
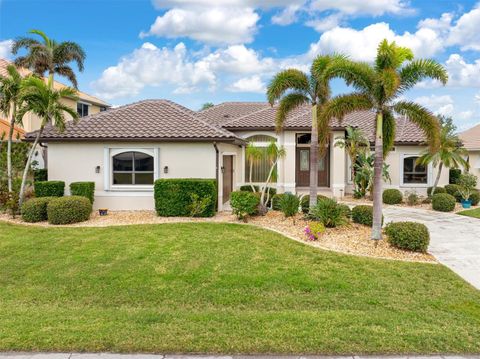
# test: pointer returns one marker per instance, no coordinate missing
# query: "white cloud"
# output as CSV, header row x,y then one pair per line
x,y
355,7
466,115
238,59
439,105
248,84
325,23
5,49
287,16
465,32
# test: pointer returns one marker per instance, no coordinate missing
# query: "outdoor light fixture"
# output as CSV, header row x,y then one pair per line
x,y
165,169
97,169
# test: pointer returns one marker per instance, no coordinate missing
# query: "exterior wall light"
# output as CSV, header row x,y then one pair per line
x,y
97,169
165,169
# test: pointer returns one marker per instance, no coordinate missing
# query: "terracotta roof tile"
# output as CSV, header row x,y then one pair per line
x,y
228,111
471,138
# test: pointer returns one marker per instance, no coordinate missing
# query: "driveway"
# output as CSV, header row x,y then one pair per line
x,y
454,239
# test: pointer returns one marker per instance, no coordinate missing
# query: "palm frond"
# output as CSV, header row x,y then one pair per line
x,y
419,70
68,73
391,56
23,43
390,83
290,79
342,105
359,75
69,51
45,38
389,125
287,104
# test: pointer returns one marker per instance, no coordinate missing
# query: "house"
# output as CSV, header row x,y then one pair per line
x,y
18,132
125,149
471,141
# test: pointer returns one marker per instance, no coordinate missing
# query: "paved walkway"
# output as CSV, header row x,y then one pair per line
x,y
454,239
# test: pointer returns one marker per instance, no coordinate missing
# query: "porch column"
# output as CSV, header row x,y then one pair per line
x,y
338,165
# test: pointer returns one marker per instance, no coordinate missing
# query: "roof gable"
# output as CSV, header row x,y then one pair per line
x,y
471,138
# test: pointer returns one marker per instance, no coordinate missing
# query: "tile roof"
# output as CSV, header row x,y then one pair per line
x,y
143,120
228,111
471,138
58,85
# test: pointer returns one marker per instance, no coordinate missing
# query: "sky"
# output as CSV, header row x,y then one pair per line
x,y
197,51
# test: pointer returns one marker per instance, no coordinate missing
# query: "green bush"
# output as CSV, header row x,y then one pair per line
x,y
392,196
244,203
475,198
363,214
452,189
329,213
40,175
305,202
437,190
276,201
289,204
412,198
35,209
84,189
454,175
443,202
346,210
411,236
270,192
173,197
66,210
49,188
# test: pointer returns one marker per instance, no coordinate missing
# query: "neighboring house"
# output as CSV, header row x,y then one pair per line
x,y
18,132
471,141
125,149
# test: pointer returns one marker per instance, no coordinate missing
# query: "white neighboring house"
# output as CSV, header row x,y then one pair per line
x,y
471,141
124,150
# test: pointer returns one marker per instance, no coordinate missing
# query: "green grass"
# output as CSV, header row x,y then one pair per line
x,y
213,288
475,213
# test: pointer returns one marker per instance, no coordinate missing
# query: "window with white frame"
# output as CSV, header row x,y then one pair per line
x,y
132,168
260,166
414,173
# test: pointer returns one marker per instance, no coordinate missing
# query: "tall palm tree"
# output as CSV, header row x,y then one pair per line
x,y
378,88
41,99
450,153
9,103
49,56
294,88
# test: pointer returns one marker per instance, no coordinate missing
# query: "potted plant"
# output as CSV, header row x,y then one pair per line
x,y
467,183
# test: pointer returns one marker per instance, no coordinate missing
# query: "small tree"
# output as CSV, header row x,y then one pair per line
x,y
254,154
467,184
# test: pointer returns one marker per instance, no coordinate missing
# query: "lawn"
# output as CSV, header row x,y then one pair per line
x,y
203,287
475,213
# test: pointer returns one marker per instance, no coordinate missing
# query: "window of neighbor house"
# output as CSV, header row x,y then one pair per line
x,y
133,168
414,173
82,109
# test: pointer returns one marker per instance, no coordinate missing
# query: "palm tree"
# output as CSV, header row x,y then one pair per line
x,y
450,153
294,88
354,143
41,99
49,56
378,88
254,154
9,103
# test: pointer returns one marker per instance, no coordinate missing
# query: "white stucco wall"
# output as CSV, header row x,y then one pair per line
x,y
474,160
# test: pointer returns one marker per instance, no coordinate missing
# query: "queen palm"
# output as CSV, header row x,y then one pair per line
x,y
9,102
294,88
40,99
378,88
49,56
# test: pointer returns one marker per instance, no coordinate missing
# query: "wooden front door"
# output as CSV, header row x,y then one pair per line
x,y
303,168
227,171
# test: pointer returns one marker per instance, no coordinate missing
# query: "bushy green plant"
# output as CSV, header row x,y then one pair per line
x,y
314,230
392,196
289,204
67,210
173,196
329,213
475,198
452,189
35,209
276,201
84,189
305,202
49,188
437,190
454,175
270,192
346,210
467,184
412,198
244,204
40,175
443,202
363,214
411,236
198,204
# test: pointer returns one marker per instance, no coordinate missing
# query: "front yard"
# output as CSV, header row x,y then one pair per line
x,y
475,213
211,287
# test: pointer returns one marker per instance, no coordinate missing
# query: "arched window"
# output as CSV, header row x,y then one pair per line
x,y
132,168
414,173
260,166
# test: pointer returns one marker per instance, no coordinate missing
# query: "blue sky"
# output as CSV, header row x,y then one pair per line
x,y
194,51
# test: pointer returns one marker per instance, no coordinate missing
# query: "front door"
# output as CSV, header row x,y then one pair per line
x,y
227,171
303,168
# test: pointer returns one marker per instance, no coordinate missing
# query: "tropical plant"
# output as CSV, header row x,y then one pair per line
x,y
450,153
294,88
378,88
364,172
49,56
329,212
44,101
467,183
9,103
289,204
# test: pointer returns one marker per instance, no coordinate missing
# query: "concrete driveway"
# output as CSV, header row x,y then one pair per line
x,y
454,239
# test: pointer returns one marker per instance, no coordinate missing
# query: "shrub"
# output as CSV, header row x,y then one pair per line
x,y
49,188
412,198
198,205
173,196
66,210
454,175
346,210
40,175
437,190
411,236
84,189
35,209
329,213
443,202
475,198
452,189
314,230
305,202
276,201
289,204
392,196
270,192
363,214
244,204
467,184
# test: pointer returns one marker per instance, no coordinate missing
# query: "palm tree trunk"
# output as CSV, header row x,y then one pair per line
x,y
440,167
314,159
21,196
264,188
9,149
250,176
352,172
377,180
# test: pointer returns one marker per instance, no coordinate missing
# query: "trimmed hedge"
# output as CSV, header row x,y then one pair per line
x,y
244,203
40,174
49,188
305,202
84,189
35,209
452,189
66,210
437,190
443,202
411,236
173,197
363,214
392,196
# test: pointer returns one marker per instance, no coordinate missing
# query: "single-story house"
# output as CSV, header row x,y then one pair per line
x,y
471,141
125,149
